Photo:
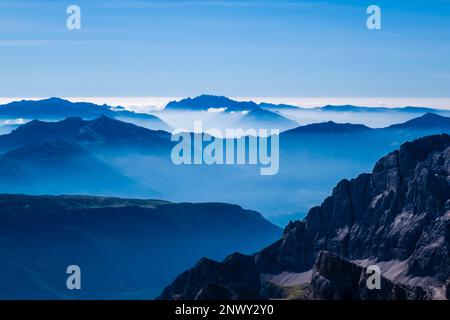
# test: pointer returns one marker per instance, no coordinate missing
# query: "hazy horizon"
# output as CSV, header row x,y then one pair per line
x,y
157,103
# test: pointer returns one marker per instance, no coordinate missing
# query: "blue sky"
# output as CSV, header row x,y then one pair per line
x,y
235,48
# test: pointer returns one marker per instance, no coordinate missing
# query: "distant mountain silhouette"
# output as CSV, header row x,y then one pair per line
x,y
329,127
144,157
350,108
260,118
281,106
126,248
205,102
58,109
74,156
53,167
427,121
102,130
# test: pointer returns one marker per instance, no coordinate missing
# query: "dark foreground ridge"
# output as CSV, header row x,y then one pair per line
x,y
397,217
126,248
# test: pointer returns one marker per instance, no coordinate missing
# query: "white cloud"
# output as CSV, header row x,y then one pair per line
x,y
13,121
216,110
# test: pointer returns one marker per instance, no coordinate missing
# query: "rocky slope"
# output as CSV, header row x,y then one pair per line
x,y
336,278
397,217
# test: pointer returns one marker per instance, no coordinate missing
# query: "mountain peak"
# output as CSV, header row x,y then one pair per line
x,y
427,121
330,127
259,117
431,115
55,100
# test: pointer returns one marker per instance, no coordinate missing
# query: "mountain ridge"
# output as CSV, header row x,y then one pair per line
x,y
82,131
207,101
58,109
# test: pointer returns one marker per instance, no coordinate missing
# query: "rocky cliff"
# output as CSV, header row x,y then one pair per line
x,y
397,217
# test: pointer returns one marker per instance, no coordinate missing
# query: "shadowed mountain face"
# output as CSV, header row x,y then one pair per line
x,y
101,131
61,166
73,156
57,109
397,217
126,248
336,278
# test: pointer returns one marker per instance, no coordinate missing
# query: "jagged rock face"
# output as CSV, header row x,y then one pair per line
x,y
335,278
399,212
214,292
236,278
447,289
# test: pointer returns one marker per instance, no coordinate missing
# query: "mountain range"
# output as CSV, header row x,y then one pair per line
x,y
105,156
396,218
71,156
57,109
428,121
350,108
234,114
205,102
102,130
425,122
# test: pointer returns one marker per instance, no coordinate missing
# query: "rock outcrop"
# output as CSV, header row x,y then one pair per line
x,y
236,278
336,278
400,212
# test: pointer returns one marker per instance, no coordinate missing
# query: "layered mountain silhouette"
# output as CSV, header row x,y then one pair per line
x,y
73,156
126,248
53,167
425,122
58,109
131,161
428,121
350,108
102,130
329,127
205,102
396,217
